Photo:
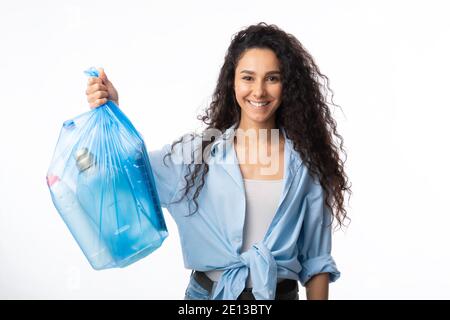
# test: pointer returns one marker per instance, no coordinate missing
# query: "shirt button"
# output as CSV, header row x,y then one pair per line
x,y
237,239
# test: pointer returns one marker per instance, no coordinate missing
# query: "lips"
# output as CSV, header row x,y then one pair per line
x,y
258,104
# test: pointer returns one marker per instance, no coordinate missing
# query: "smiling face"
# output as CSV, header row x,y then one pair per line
x,y
257,85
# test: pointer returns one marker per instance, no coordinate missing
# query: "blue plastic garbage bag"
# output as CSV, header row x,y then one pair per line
x,y
101,183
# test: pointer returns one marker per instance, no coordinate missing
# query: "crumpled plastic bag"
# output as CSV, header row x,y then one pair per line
x,y
102,185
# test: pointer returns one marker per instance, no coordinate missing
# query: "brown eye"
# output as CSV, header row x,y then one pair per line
x,y
247,78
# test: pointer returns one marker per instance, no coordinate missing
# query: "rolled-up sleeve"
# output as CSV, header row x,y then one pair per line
x,y
314,243
167,172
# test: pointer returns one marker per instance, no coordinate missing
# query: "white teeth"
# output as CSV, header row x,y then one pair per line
x,y
259,104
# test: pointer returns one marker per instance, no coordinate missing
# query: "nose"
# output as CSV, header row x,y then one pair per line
x,y
259,89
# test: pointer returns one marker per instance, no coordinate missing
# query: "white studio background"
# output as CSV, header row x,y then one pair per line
x,y
388,65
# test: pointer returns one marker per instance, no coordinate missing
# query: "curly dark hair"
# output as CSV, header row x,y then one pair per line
x,y
303,113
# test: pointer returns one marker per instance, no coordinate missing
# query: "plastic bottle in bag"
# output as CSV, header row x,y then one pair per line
x,y
124,217
82,227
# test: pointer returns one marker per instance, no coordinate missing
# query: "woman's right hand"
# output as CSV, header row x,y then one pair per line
x,y
99,90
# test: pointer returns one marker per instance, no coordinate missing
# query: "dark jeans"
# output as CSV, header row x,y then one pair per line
x,y
200,288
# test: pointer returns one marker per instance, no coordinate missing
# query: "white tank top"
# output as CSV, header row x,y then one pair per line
x,y
261,199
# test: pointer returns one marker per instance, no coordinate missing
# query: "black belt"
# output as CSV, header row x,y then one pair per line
x,y
287,289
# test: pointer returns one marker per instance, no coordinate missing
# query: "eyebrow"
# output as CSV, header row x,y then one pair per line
x,y
270,72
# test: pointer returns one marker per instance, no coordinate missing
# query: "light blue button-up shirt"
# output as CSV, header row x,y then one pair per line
x,y
297,244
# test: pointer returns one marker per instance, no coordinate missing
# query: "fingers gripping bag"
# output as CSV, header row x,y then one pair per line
x,y
102,185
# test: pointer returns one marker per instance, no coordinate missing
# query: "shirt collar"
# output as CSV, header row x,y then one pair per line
x,y
222,146
222,150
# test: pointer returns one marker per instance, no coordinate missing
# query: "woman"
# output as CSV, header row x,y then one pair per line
x,y
254,194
